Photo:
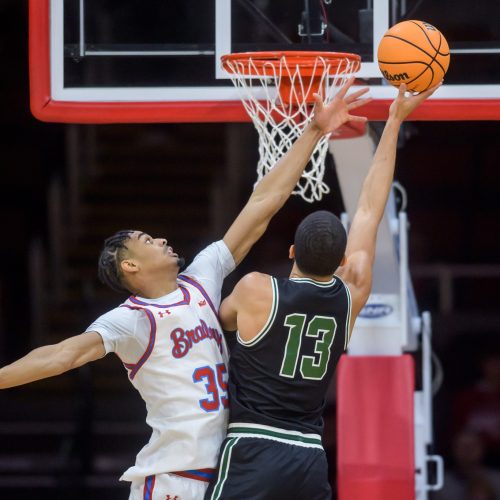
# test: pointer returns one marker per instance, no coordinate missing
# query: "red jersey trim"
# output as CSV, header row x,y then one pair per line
x,y
204,475
149,486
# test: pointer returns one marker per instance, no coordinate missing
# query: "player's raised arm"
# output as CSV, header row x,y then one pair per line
x,y
361,241
51,360
275,187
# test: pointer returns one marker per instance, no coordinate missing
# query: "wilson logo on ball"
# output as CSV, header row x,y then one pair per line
x,y
395,78
429,27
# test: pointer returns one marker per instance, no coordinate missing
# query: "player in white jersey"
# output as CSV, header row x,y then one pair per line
x,y
176,357
167,334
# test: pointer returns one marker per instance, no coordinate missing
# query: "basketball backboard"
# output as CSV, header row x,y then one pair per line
x,y
97,61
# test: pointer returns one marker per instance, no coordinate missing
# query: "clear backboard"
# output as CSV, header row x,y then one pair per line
x,y
98,61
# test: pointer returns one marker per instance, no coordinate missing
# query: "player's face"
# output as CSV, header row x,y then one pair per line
x,y
152,253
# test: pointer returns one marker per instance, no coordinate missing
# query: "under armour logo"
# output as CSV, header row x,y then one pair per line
x,y
163,314
168,497
202,303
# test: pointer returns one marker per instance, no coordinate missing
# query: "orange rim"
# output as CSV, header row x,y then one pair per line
x,y
266,63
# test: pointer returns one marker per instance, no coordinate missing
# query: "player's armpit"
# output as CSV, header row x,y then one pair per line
x,y
228,314
51,360
357,274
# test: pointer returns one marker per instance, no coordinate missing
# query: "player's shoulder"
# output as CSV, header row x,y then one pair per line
x,y
253,286
254,280
253,290
121,320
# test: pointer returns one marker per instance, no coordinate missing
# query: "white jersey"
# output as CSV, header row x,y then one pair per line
x,y
176,357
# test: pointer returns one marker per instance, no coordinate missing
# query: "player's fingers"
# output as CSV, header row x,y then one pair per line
x,y
359,102
343,90
356,118
318,102
402,90
356,95
427,93
431,91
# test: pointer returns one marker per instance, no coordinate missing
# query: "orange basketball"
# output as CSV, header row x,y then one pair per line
x,y
415,53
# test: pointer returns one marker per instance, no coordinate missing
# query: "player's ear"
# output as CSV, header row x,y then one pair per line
x,y
291,252
129,266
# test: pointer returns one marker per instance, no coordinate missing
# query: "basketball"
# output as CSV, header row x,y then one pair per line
x,y
415,53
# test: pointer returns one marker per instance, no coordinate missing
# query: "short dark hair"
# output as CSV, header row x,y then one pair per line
x,y
320,242
114,251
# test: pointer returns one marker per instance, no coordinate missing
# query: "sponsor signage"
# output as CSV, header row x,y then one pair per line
x,y
374,311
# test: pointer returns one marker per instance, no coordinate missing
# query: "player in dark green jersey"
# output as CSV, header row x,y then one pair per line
x,y
290,335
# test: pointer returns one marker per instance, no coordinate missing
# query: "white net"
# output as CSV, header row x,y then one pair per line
x,y
277,95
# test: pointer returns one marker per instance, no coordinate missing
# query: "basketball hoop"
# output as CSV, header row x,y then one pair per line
x,y
277,90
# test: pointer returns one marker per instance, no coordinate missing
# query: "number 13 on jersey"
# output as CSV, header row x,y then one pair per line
x,y
311,367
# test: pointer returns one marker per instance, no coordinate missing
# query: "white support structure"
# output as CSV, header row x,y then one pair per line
x,y
423,421
390,323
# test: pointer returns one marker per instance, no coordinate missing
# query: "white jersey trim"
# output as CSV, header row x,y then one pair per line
x,y
321,284
348,317
237,429
270,319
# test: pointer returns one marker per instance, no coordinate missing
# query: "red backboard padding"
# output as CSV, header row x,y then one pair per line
x,y
375,428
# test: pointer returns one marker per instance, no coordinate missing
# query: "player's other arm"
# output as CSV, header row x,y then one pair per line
x,y
51,360
275,187
361,241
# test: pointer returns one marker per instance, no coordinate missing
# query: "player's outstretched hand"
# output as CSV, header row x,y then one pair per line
x,y
331,116
405,102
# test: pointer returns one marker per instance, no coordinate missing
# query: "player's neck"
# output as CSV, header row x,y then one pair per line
x,y
297,273
154,290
